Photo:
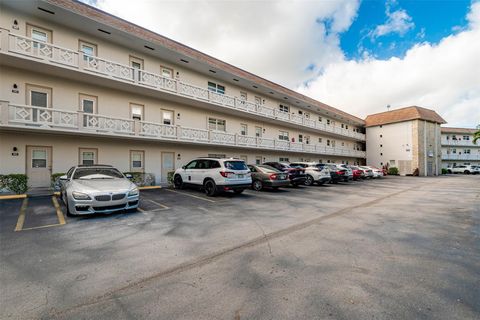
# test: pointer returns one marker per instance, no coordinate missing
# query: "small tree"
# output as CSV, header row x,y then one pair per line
x,y
476,136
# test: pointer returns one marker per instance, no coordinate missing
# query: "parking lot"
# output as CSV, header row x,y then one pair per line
x,y
393,248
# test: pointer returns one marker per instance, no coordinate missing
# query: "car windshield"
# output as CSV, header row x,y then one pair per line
x,y
268,169
236,165
97,173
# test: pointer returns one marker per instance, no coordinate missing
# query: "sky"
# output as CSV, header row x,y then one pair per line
x,y
358,56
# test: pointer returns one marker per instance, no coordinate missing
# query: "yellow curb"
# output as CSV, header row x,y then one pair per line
x,y
57,193
149,187
13,196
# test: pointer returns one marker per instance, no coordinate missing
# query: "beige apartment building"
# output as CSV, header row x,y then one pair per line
x,y
458,147
80,86
407,138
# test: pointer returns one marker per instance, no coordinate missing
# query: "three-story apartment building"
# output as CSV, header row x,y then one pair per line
x,y
458,147
80,86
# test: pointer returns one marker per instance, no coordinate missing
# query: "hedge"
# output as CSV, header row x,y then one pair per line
x,y
142,179
17,183
444,171
54,183
393,171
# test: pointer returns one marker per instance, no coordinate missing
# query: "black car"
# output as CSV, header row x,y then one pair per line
x,y
295,175
336,174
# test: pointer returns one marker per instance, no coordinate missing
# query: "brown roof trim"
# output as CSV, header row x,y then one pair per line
x,y
403,114
458,130
140,32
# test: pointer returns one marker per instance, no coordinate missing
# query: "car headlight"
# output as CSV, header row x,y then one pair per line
x,y
133,192
80,196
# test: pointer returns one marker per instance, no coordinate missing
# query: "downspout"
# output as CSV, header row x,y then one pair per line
x,y
436,151
425,146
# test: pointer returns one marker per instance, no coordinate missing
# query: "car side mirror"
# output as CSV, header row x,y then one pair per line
x,y
183,167
129,176
63,178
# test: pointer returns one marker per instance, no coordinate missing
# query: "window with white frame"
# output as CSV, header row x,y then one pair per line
x,y
466,137
166,72
328,121
284,108
283,135
216,124
243,129
283,159
258,100
320,119
214,87
87,156
136,111
258,132
167,117
258,160
88,49
39,35
243,97
319,140
300,138
467,151
328,142
137,160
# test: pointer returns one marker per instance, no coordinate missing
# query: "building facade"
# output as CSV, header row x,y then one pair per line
x,y
407,138
79,86
458,147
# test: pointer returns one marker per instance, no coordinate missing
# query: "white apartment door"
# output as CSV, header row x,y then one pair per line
x,y
39,166
168,164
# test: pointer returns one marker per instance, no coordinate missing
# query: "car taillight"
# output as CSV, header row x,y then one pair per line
x,y
273,176
227,174
340,172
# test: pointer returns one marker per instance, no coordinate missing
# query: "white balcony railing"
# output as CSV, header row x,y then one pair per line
x,y
459,143
57,119
53,54
463,156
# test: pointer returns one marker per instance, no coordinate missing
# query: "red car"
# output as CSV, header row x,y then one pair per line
x,y
357,173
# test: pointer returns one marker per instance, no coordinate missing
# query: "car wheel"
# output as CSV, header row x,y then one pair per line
x,y
257,185
178,182
238,191
210,188
309,180
69,213
466,172
449,171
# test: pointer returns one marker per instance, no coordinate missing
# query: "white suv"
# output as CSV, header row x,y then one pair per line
x,y
315,173
214,175
467,169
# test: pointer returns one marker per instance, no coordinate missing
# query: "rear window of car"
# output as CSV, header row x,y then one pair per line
x,y
268,169
97,173
235,165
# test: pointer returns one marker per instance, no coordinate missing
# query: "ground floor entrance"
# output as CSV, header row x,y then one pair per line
x,y
38,166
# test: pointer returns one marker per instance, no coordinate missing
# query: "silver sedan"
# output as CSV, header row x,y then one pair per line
x,y
97,189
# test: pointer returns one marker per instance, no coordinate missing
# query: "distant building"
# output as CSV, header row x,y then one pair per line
x,y
407,138
458,147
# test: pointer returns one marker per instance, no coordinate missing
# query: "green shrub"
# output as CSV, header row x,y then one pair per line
x,y
142,179
54,179
393,171
170,177
17,183
3,181
444,171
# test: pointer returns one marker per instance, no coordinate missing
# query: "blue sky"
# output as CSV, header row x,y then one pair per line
x,y
358,56
431,21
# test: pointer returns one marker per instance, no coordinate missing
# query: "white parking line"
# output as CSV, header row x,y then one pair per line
x,y
190,195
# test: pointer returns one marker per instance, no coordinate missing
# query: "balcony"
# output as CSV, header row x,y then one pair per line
x,y
459,143
27,48
39,118
463,156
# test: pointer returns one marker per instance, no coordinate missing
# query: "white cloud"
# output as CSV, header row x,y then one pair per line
x,y
444,77
397,22
274,39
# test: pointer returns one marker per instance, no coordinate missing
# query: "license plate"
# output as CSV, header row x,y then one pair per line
x,y
240,176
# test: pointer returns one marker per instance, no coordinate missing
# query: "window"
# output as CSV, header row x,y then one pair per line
x,y
284,108
343,144
333,143
258,160
88,49
88,104
467,151
328,142
300,138
87,156
300,112
320,119
346,126
166,72
283,159
136,160
328,121
454,150
392,162
167,117
454,137
258,100
466,137
216,124
307,139
243,129
136,111
39,35
307,115
343,126
39,158
216,88
243,97
39,96
258,132
283,135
